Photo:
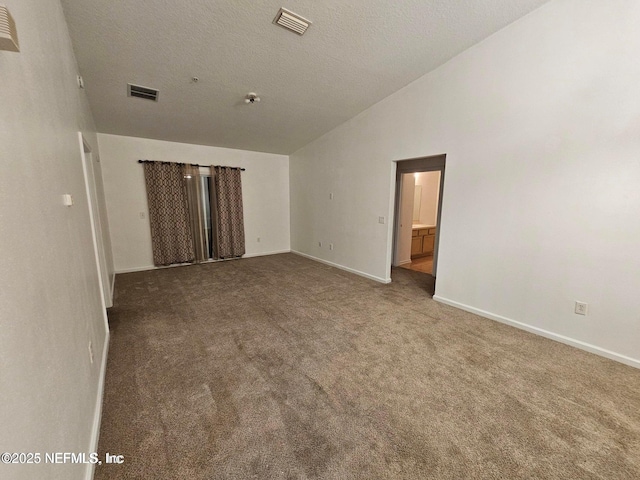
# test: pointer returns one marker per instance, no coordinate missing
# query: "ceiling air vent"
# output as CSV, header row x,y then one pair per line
x,y
291,21
142,92
8,33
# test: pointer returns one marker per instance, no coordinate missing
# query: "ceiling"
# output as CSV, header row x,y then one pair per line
x,y
355,54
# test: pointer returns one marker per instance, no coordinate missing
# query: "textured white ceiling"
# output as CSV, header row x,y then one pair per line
x,y
355,54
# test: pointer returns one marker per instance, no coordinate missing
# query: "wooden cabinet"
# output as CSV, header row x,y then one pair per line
x,y
428,242
423,241
416,246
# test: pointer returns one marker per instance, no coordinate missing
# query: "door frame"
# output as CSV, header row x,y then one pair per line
x,y
434,163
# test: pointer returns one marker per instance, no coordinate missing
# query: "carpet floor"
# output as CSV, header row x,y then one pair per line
x,y
279,367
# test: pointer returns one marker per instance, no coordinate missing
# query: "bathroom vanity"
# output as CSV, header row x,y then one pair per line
x,y
423,238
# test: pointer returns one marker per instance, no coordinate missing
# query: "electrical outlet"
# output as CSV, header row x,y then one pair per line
x,y
581,308
331,196
381,220
91,352
331,246
320,244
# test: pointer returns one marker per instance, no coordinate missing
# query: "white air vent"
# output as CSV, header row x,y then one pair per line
x,y
8,32
142,92
291,21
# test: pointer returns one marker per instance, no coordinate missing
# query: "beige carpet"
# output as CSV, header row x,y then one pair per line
x,y
283,368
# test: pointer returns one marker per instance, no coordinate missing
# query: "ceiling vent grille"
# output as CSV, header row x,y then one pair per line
x,y
291,21
142,92
8,33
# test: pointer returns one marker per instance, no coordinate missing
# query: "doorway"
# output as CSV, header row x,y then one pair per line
x,y
418,210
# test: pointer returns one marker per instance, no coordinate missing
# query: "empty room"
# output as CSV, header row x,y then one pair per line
x,y
319,240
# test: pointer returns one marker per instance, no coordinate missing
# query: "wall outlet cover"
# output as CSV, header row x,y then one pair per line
x,y
581,308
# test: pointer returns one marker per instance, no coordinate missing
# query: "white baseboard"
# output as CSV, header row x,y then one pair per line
x,y
153,267
97,416
342,267
277,252
403,262
136,269
543,333
113,286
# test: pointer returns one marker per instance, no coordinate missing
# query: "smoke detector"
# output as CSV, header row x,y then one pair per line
x,y
291,21
251,98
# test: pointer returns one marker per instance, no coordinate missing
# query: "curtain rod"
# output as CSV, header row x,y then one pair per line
x,y
194,164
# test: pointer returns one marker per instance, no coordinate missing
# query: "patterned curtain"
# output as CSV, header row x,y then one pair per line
x,y
226,212
171,234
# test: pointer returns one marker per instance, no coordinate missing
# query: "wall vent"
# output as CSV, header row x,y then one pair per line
x,y
291,21
142,92
8,32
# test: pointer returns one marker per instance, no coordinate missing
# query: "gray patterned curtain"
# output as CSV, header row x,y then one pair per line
x,y
171,234
226,212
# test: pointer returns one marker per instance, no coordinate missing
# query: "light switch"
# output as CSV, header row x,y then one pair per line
x,y
67,200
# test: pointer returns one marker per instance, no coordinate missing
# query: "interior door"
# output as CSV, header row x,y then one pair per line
x,y
96,224
405,215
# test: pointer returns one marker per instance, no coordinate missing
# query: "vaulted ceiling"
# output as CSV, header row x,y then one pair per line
x,y
355,53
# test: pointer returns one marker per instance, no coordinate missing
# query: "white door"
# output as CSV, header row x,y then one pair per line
x,y
405,216
96,224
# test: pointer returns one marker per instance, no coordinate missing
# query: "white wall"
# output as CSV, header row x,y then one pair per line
x,y
430,183
540,127
265,194
50,300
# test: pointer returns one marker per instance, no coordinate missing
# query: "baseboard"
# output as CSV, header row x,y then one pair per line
x,y
153,267
264,254
113,285
543,333
404,262
97,416
342,267
136,269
